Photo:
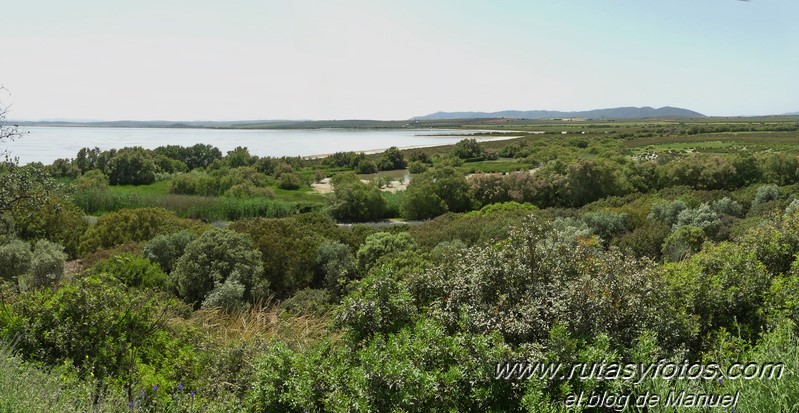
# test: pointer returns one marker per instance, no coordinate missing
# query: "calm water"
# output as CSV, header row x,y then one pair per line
x,y
46,144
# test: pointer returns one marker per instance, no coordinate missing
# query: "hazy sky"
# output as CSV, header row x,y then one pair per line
x,y
309,59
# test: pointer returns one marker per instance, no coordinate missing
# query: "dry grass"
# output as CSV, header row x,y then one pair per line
x,y
263,322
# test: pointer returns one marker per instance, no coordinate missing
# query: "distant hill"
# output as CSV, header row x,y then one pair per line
x,y
612,113
791,114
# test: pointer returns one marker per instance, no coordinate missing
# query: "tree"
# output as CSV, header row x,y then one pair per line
x,y
218,260
433,193
15,259
131,166
468,149
392,159
239,157
355,201
7,132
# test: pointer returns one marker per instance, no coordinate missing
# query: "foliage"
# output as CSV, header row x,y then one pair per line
x,y
355,201
417,167
765,194
289,181
165,249
131,166
214,258
682,243
380,245
47,264
377,304
468,149
392,159
130,225
57,220
15,259
433,193
607,224
24,190
288,247
336,265
133,271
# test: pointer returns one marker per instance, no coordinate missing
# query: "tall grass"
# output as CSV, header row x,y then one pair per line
x,y
28,388
193,206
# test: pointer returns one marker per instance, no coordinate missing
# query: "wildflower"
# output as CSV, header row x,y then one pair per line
x,y
180,386
192,393
130,403
721,381
155,387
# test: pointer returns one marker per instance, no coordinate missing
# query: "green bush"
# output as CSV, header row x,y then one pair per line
x,y
212,259
391,159
336,265
131,166
607,224
380,245
130,225
47,264
417,167
15,259
468,149
99,329
433,193
682,243
165,250
355,201
133,271
289,181
377,304
289,247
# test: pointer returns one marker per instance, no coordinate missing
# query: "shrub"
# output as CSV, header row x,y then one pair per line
x,y
436,192
378,304
667,212
702,216
682,243
57,220
15,259
468,149
288,247
92,325
214,257
355,201
417,167
140,224
248,190
229,295
165,250
366,167
644,241
392,159
336,265
131,166
289,181
379,245
93,180
47,264
765,194
607,224
726,206
308,301
133,271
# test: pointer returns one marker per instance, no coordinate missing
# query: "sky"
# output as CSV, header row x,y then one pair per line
x,y
379,59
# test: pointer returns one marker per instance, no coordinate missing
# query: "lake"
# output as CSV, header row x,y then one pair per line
x,y
46,144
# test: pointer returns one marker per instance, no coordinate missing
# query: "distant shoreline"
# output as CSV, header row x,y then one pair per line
x,y
375,151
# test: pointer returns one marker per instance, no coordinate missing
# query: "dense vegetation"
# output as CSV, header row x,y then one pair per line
x,y
185,279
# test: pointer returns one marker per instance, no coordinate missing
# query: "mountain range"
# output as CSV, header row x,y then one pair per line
x,y
610,113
